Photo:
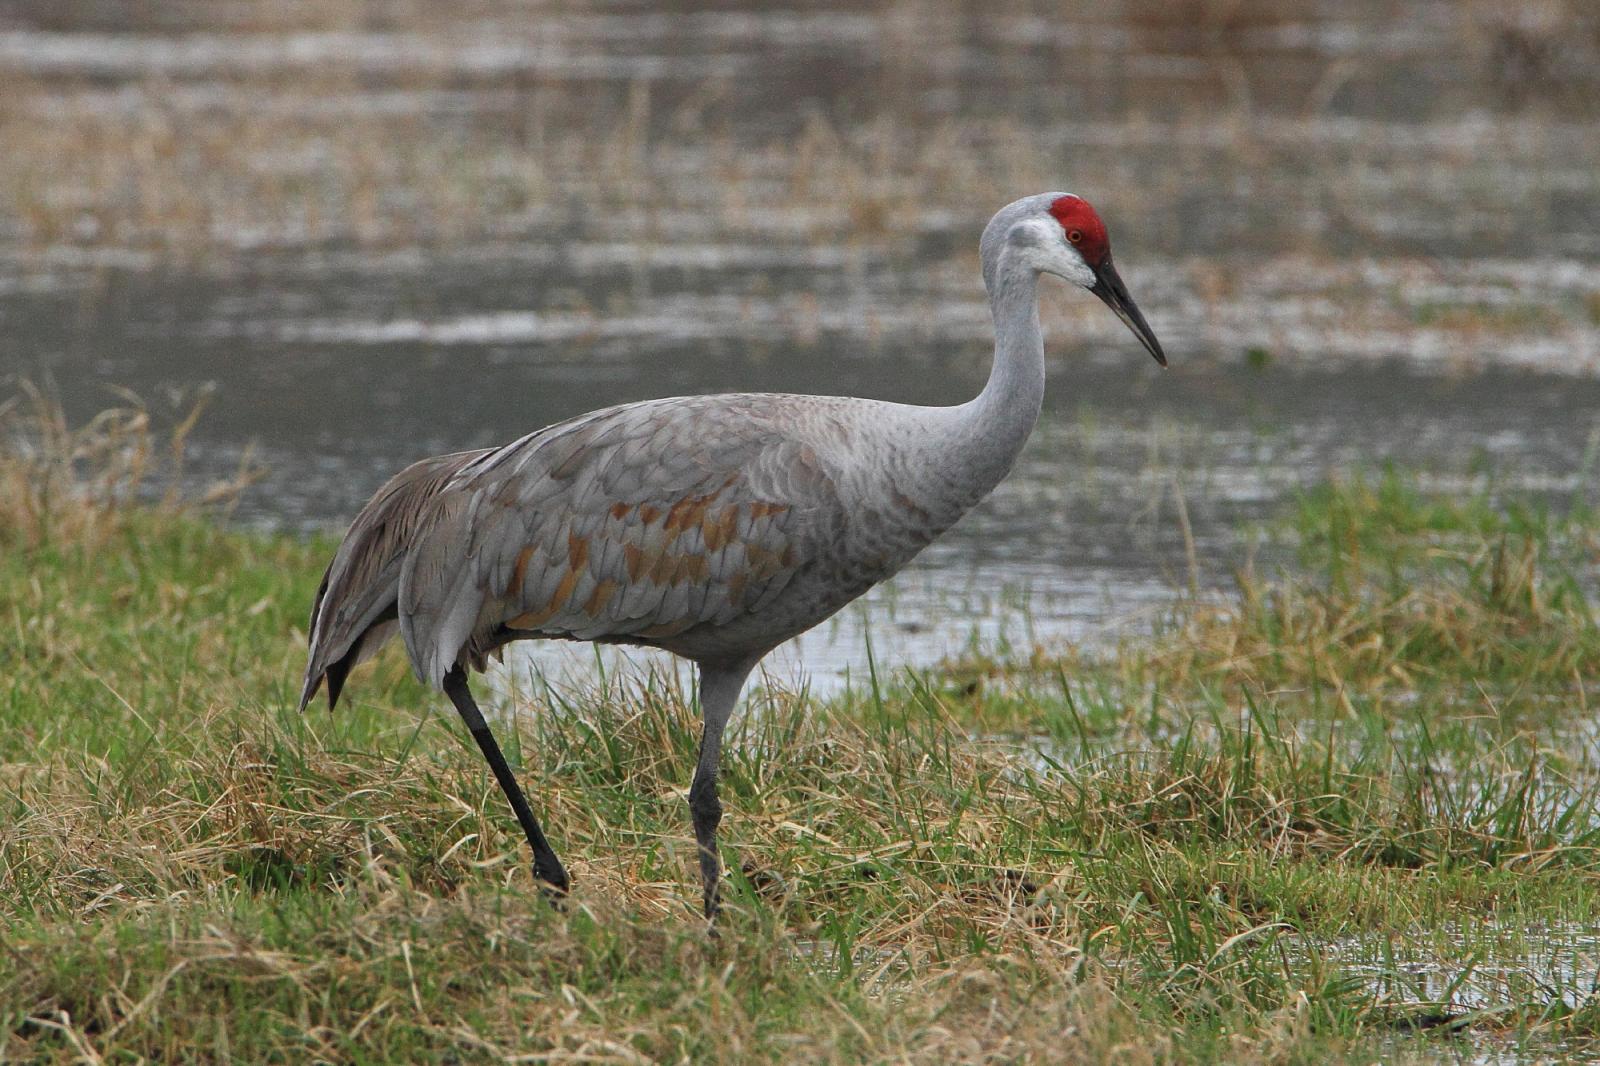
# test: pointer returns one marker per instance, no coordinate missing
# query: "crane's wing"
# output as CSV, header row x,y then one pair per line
x,y
636,523
354,611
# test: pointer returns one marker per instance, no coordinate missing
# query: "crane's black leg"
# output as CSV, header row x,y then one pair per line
x,y
546,866
719,691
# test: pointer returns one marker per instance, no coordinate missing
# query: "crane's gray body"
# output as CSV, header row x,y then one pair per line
x,y
715,527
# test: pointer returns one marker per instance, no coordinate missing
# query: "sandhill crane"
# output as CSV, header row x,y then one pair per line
x,y
715,527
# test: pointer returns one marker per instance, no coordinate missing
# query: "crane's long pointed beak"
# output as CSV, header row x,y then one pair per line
x,y
1109,287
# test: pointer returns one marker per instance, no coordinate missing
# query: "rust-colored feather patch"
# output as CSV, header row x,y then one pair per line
x,y
691,510
519,572
531,620
690,568
720,530
577,551
761,509
602,596
664,630
762,562
563,591
677,516
662,564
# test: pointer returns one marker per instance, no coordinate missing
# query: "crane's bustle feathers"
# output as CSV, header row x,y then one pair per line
x,y
359,587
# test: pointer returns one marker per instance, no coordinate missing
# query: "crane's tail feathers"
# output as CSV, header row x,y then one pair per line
x,y
314,668
357,609
367,643
308,692
335,674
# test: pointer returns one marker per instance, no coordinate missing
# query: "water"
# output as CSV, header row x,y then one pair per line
x,y
1451,972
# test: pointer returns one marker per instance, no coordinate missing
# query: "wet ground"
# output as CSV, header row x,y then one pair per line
x,y
1472,974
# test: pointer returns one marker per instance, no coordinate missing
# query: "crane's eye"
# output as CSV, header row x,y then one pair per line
x,y
1075,235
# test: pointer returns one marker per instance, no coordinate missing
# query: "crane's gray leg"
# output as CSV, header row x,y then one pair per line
x,y
546,866
719,691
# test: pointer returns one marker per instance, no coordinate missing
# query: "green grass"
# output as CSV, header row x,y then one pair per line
x,y
1348,812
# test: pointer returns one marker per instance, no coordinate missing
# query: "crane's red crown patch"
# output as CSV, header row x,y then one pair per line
x,y
1083,227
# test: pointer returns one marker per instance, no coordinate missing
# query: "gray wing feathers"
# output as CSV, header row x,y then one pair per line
x,y
350,616
635,523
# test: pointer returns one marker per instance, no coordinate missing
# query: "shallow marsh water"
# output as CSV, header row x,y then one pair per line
x,y
1480,972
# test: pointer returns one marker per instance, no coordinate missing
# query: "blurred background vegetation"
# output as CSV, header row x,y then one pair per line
x,y
1262,125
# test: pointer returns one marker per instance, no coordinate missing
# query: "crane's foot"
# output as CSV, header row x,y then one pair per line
x,y
554,884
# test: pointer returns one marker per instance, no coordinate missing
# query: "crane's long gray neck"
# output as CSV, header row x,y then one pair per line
x,y
996,424
1010,402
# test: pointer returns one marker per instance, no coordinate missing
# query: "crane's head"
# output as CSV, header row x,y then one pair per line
x,y
1059,233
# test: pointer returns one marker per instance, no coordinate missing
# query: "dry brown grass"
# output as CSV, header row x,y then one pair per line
x,y
76,485
289,155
